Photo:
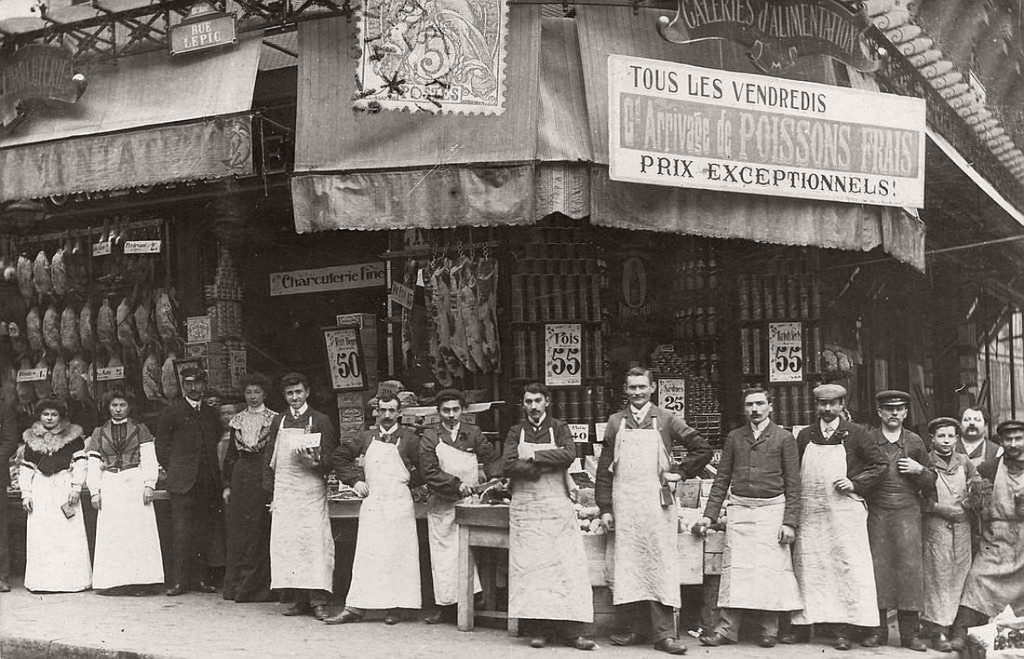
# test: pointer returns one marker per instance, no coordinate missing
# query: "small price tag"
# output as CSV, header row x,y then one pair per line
x,y
599,429
349,319
110,373
402,295
101,249
580,432
32,374
198,329
142,246
563,355
672,396
785,352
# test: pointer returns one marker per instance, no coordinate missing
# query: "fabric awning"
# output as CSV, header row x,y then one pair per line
x,y
395,169
776,220
143,120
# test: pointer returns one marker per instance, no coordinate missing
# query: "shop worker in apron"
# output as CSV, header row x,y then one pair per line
x,y
840,466
451,454
761,464
186,446
301,543
894,522
548,579
382,464
996,578
632,491
974,441
947,532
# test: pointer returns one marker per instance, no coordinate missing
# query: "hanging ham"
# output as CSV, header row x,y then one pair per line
x,y
69,335
59,378
144,321
152,373
487,296
42,387
51,328
125,327
59,272
106,329
78,374
169,378
34,330
41,275
465,296
85,327
166,325
24,275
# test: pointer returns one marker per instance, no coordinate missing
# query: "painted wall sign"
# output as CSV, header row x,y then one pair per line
x,y
785,352
334,278
687,126
672,396
777,32
563,354
344,358
210,31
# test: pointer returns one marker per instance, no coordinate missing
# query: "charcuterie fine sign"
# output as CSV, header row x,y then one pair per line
x,y
335,278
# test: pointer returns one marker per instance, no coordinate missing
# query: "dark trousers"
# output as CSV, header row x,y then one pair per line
x,y
5,546
553,630
909,623
310,596
651,619
193,515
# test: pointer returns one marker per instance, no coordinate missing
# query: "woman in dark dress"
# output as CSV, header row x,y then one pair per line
x,y
247,577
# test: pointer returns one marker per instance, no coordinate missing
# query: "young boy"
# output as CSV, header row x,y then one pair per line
x,y
946,531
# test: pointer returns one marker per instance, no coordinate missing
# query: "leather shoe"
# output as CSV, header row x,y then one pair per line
x,y
392,618
581,643
915,643
204,587
4,586
629,638
957,643
538,642
296,609
767,641
842,643
440,615
670,646
787,639
941,643
177,589
320,612
347,615
871,641
715,639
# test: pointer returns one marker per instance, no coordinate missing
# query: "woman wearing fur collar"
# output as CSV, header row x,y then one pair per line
x,y
51,476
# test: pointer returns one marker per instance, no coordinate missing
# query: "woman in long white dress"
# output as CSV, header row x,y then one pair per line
x,y
51,475
121,478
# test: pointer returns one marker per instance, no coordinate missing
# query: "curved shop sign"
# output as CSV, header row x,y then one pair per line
x,y
334,278
777,32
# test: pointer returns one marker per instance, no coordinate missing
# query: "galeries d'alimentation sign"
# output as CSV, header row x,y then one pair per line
x,y
692,127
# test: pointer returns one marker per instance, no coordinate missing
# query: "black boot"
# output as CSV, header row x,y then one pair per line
x,y
910,630
965,618
879,635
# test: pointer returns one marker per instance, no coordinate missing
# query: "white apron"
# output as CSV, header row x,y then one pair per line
x,y
386,568
443,532
644,541
301,544
947,552
127,542
831,556
547,574
761,568
56,550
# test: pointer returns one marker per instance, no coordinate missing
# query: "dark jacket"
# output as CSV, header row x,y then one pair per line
x,y
673,431
346,456
912,446
985,451
9,437
310,421
546,460
865,462
469,440
186,439
759,468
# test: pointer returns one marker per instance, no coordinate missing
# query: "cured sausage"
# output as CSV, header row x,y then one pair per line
x,y
24,274
41,275
34,330
69,336
51,328
59,272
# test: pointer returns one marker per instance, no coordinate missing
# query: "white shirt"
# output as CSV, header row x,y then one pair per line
x,y
196,404
640,414
453,432
299,412
536,426
758,428
828,429
891,436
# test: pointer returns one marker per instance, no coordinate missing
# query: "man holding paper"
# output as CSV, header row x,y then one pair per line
x,y
301,544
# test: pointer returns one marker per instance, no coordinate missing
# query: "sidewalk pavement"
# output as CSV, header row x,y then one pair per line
x,y
91,626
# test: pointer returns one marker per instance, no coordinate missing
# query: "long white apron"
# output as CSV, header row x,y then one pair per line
x,y
645,532
757,571
947,552
127,541
831,556
301,544
386,568
547,563
56,549
443,532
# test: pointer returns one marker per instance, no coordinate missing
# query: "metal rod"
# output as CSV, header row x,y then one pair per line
x,y
932,252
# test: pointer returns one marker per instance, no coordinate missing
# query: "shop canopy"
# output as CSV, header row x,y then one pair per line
x,y
143,120
547,153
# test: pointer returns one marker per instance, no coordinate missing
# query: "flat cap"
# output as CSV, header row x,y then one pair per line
x,y
193,373
829,392
892,397
446,395
942,422
1009,425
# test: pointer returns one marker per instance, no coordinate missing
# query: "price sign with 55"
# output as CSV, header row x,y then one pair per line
x,y
785,352
563,355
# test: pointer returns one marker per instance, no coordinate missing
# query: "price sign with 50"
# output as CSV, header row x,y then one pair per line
x,y
563,350
344,358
